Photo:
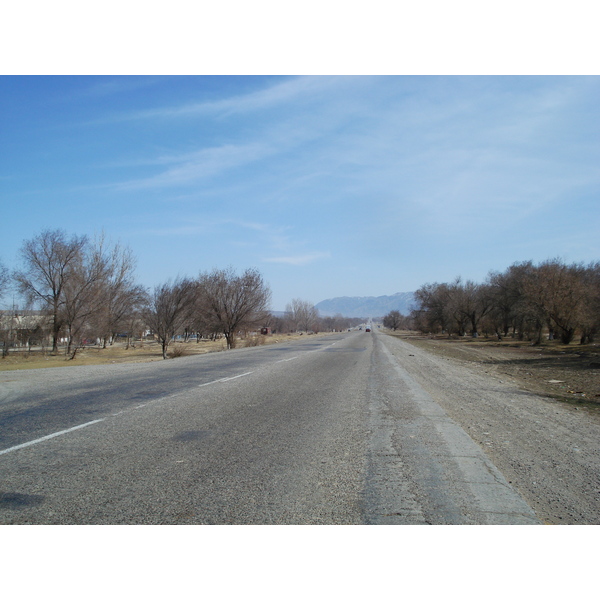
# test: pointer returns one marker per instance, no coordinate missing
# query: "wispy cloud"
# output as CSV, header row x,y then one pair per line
x,y
249,234
177,231
299,260
191,167
446,157
298,112
108,86
283,93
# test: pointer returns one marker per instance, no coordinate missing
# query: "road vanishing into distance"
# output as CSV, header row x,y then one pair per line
x,y
330,429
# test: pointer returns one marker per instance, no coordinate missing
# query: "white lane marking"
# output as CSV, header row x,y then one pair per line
x,y
64,431
222,380
236,376
210,382
286,359
52,435
47,437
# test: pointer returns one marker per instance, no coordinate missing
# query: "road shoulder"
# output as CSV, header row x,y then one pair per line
x,y
424,468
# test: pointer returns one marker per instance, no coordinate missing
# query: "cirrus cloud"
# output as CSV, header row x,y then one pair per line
x,y
299,260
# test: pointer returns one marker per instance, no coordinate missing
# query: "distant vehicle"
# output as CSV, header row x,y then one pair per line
x,y
368,329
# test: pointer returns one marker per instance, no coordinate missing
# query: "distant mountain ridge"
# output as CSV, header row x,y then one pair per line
x,y
367,306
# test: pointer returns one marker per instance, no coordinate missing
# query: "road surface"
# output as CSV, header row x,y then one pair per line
x,y
327,430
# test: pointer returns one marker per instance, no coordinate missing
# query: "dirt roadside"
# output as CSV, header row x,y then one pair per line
x,y
147,351
534,411
567,373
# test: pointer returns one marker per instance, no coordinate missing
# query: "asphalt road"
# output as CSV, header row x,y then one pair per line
x,y
326,430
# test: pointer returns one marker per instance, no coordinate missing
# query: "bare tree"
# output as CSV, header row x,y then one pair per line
x,y
508,303
4,279
590,318
527,315
471,302
230,302
48,264
4,329
393,320
121,296
566,290
82,301
135,324
434,312
554,293
169,308
337,323
302,314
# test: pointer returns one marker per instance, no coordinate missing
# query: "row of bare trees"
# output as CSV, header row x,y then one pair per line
x,y
525,301
217,302
303,317
86,290
224,303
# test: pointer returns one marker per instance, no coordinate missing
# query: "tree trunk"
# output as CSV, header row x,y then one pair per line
x,y
587,336
230,339
55,334
567,335
69,342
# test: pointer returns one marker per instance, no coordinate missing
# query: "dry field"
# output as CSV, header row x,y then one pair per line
x,y
568,373
146,351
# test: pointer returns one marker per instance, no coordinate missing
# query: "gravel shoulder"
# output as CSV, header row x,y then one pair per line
x,y
543,438
568,373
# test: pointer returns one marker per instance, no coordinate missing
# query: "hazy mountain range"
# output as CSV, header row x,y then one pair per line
x,y
367,306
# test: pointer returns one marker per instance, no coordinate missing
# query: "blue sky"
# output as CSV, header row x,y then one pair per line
x,y
329,185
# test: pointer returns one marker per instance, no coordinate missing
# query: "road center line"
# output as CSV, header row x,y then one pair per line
x,y
236,376
222,380
64,431
287,359
47,437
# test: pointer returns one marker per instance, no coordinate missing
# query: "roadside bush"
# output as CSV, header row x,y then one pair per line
x,y
178,350
254,340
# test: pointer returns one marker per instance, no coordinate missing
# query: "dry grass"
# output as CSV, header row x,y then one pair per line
x,y
118,353
254,340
